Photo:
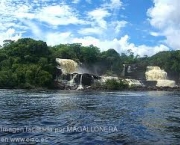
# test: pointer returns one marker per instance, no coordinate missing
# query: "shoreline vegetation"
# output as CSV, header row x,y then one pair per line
x,y
30,64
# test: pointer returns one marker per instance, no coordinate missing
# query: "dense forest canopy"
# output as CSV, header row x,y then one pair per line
x,y
29,63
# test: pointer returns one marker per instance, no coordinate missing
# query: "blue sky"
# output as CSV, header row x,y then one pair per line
x,y
144,26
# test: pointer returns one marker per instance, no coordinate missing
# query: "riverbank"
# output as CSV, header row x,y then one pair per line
x,y
100,88
135,89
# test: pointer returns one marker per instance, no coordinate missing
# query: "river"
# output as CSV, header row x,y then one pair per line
x,y
77,117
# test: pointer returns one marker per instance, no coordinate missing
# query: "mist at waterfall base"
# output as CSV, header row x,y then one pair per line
x,y
111,118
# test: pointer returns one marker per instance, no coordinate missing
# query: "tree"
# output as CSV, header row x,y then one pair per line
x,y
111,60
90,54
7,42
44,78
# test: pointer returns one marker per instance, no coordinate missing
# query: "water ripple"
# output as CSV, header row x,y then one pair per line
x,y
59,116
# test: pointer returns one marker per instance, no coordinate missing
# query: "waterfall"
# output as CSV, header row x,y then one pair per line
x,y
80,87
133,82
71,82
92,78
124,70
154,73
129,69
67,65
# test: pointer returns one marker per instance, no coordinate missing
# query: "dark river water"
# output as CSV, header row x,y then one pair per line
x,y
89,118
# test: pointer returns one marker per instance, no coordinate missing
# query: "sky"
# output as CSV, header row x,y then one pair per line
x,y
144,26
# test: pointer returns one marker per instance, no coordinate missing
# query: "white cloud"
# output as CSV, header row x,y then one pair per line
x,y
118,25
88,31
57,38
172,37
112,30
24,11
112,4
120,45
165,16
9,34
86,41
155,34
10,26
99,15
30,16
116,3
58,15
102,25
34,28
124,44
